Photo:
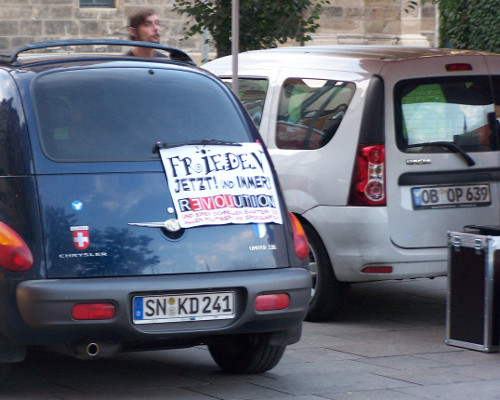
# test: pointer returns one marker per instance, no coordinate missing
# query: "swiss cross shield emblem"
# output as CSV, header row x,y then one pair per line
x,y
81,238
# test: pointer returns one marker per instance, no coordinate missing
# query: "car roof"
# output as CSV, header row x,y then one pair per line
x,y
366,51
11,57
353,58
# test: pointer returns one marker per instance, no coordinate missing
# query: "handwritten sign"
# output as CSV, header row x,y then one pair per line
x,y
216,185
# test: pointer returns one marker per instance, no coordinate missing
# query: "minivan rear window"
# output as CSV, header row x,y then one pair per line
x,y
111,114
310,112
459,111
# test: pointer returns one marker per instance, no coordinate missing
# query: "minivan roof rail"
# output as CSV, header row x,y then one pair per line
x,y
9,56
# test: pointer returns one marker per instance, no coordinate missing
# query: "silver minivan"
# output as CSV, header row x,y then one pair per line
x,y
380,151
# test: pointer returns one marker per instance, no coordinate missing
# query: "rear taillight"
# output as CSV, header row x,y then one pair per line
x,y
458,67
271,302
368,187
377,270
93,311
15,254
299,238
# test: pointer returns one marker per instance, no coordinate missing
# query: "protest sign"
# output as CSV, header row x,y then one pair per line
x,y
221,184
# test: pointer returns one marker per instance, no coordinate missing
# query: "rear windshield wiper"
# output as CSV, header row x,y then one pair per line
x,y
450,146
204,142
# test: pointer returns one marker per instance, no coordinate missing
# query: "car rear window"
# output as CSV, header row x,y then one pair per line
x,y
119,114
310,112
458,110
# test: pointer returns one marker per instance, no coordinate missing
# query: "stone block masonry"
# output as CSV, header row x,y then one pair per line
x,y
341,22
27,21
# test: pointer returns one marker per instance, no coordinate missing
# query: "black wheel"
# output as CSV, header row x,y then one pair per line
x,y
246,354
4,370
328,294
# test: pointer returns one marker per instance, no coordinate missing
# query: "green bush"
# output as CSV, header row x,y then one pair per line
x,y
263,23
470,24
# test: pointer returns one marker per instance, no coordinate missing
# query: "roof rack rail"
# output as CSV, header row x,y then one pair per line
x,y
9,56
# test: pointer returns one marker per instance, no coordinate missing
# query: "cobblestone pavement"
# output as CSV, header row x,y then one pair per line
x,y
388,344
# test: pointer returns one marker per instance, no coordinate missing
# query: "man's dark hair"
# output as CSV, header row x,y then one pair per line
x,y
138,17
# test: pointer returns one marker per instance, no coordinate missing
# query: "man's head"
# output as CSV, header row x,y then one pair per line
x,y
144,25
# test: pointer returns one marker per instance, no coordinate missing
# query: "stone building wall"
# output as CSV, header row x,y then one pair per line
x,y
25,21
343,22
376,22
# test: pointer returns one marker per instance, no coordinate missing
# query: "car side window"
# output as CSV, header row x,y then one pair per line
x,y
310,112
14,142
454,110
252,94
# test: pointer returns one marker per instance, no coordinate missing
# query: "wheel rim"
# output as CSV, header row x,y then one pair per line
x,y
313,269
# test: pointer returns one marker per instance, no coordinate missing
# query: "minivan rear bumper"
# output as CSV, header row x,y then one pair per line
x,y
358,237
45,305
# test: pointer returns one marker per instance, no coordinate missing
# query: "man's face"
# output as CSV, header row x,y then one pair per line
x,y
149,30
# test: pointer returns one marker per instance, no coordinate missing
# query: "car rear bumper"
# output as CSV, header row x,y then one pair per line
x,y
45,305
358,237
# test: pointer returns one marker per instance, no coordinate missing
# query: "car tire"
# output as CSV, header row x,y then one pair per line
x,y
246,354
4,370
328,294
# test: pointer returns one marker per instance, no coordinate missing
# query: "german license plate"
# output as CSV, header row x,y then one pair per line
x,y
183,307
451,196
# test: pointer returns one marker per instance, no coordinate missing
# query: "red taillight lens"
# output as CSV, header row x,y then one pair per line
x,y
15,254
299,238
377,270
270,302
93,311
368,188
458,67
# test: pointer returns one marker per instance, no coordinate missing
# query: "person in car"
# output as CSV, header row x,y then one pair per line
x,y
144,25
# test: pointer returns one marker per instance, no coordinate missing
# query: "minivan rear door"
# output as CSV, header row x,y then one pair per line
x,y
441,144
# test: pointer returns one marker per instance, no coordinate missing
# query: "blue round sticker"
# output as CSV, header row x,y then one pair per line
x,y
77,205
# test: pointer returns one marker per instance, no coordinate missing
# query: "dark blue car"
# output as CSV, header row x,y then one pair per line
x,y
139,210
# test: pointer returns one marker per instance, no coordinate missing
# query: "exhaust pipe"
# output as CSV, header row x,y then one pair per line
x,y
95,349
88,349
92,349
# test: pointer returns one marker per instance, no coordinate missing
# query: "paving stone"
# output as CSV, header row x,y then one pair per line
x,y
369,395
433,376
388,345
483,390
405,362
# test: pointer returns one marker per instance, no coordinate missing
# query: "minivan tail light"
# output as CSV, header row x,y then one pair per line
x,y
15,254
300,243
458,67
368,184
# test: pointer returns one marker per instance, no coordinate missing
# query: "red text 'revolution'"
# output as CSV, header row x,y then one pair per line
x,y
226,201
211,202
